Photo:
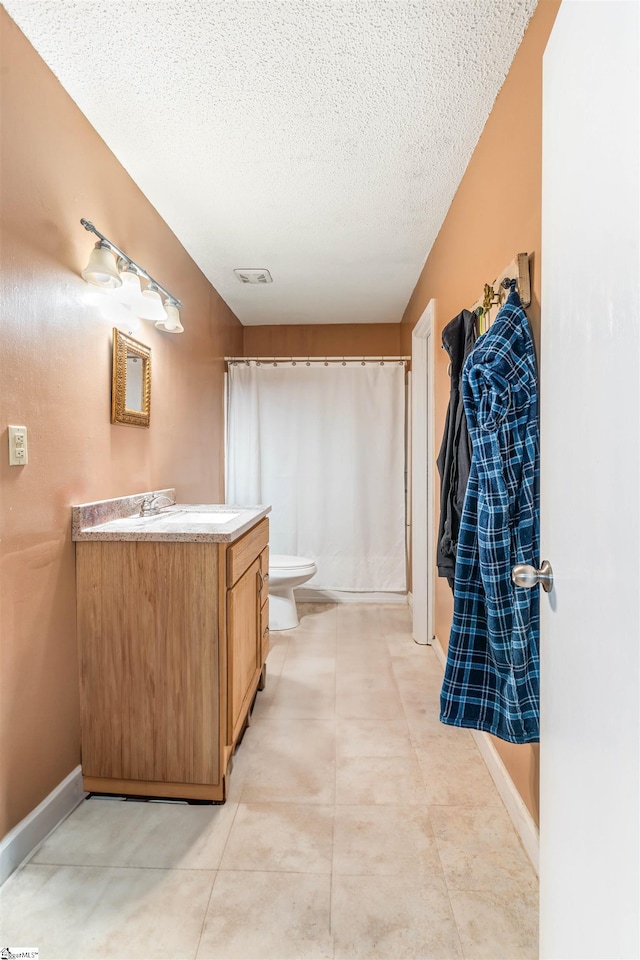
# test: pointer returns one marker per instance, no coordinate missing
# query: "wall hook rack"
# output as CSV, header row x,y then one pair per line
x,y
516,274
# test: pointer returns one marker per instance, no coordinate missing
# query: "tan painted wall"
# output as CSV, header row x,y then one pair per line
x,y
330,340
55,371
495,214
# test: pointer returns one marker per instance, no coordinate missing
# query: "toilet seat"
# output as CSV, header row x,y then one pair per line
x,y
286,562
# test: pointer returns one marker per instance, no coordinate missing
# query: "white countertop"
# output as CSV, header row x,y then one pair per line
x,y
170,524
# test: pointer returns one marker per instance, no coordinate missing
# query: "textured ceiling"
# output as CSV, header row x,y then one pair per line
x,y
321,139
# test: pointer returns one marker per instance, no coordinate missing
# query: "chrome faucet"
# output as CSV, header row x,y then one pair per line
x,y
151,506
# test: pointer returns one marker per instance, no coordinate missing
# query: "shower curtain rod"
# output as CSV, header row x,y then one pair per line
x,y
361,359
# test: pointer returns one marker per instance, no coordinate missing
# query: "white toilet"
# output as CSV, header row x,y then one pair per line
x,y
285,573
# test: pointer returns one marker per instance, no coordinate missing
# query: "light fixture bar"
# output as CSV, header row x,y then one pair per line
x,y
90,227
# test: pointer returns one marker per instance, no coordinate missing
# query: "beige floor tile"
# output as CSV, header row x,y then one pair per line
x,y
392,918
379,780
281,837
407,669
302,696
423,720
316,664
480,850
386,840
365,737
277,654
355,619
274,664
288,762
436,738
496,926
353,663
455,775
241,763
318,617
402,644
284,916
316,647
367,697
395,618
264,699
116,833
89,912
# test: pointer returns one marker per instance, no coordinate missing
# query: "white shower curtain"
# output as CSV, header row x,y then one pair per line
x,y
324,445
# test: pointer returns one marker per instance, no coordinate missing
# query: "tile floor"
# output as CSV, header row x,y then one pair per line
x,y
357,826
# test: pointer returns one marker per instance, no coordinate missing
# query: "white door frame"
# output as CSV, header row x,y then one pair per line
x,y
422,467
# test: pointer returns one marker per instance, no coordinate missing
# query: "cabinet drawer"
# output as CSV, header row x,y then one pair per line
x,y
244,551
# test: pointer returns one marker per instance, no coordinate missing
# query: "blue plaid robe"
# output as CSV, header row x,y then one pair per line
x,y
492,674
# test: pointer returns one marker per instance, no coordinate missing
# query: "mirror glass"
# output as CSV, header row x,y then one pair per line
x,y
131,383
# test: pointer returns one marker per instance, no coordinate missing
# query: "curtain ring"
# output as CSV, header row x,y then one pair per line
x,y
293,362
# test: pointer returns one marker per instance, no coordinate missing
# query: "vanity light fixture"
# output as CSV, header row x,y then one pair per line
x,y
102,271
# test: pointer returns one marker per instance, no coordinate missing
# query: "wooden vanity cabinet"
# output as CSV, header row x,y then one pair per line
x,y
171,639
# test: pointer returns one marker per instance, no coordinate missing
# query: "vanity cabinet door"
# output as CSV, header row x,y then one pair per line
x,y
264,609
243,645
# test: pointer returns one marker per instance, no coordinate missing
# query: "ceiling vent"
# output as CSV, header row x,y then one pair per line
x,y
253,276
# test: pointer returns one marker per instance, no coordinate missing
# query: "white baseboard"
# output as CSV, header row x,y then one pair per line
x,y
521,818
21,842
311,595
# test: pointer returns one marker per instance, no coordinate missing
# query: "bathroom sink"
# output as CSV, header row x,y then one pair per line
x,y
188,517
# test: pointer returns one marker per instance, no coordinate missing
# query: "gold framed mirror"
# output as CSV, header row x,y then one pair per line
x,y
131,381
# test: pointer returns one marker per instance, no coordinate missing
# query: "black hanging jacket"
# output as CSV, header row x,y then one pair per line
x,y
454,459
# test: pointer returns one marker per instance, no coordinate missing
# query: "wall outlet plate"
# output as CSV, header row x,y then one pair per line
x,y
18,452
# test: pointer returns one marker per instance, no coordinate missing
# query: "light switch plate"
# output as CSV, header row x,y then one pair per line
x,y
18,453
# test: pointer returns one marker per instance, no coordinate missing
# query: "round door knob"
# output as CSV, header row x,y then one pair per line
x,y
524,575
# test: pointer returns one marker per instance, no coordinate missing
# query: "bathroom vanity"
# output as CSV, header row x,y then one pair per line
x,y
172,613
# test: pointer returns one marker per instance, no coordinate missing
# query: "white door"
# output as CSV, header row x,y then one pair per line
x,y
422,461
590,371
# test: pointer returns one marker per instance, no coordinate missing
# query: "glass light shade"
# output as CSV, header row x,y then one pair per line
x,y
172,323
130,284
152,308
101,269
